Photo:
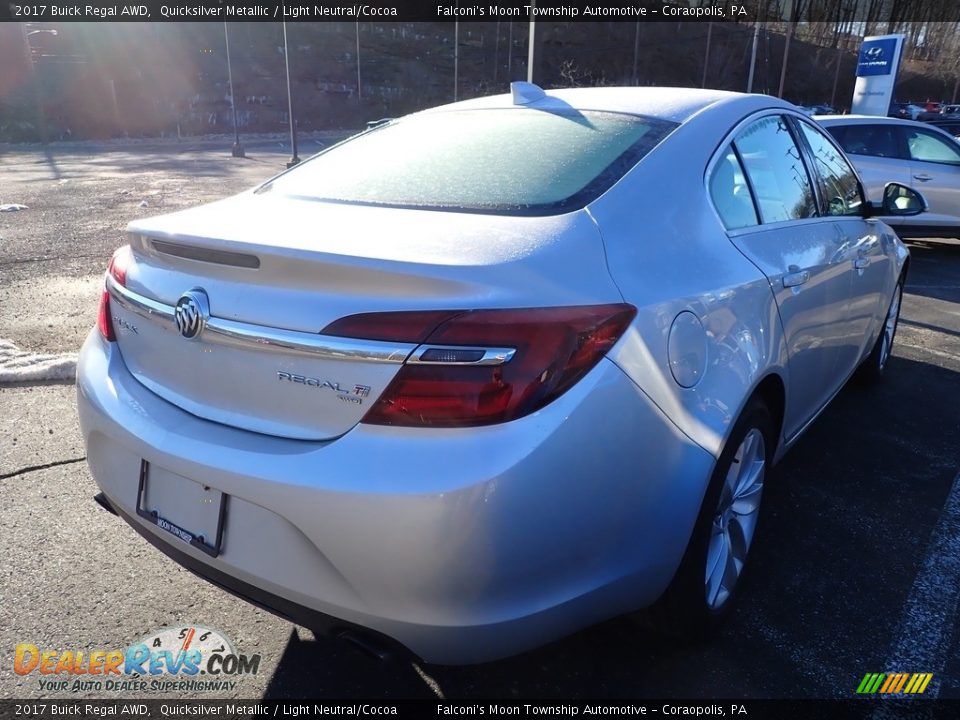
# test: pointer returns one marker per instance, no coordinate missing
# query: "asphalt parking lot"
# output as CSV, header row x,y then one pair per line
x,y
856,568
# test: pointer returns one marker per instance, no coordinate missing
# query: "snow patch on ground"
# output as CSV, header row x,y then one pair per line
x,y
18,365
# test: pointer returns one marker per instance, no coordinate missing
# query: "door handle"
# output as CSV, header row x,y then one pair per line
x,y
861,263
923,177
795,278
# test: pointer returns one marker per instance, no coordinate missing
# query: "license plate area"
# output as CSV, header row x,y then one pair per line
x,y
188,510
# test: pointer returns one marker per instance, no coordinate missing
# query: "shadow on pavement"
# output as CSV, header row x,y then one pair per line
x,y
52,162
938,264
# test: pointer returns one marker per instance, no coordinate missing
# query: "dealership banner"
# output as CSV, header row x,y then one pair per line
x,y
877,68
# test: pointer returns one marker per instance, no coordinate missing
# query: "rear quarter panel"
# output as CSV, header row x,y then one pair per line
x,y
669,253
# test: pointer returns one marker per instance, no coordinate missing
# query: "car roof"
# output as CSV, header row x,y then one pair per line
x,y
827,120
668,103
835,120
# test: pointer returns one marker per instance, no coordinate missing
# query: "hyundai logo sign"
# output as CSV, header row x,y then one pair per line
x,y
876,57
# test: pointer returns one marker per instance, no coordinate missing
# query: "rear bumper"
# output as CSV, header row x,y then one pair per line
x,y
463,545
300,614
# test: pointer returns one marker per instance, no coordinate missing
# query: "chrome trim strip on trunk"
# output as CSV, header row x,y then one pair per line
x,y
247,335
134,302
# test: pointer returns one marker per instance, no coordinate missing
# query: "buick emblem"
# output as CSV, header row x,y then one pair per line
x,y
191,313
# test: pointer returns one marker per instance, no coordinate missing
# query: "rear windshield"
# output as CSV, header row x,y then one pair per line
x,y
508,161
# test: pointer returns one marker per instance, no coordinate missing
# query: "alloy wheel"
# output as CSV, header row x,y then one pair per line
x,y
890,327
735,519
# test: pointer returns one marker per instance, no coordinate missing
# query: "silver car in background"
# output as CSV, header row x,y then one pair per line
x,y
495,371
916,154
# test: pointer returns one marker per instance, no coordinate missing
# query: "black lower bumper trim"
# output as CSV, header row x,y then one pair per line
x,y
102,501
371,641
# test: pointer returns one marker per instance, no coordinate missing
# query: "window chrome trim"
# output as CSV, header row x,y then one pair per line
x,y
250,336
717,155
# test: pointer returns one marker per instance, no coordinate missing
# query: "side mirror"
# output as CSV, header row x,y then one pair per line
x,y
900,200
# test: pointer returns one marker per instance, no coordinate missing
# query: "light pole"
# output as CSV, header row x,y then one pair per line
x,y
706,55
836,75
531,42
496,55
359,83
786,56
41,116
753,56
294,158
237,147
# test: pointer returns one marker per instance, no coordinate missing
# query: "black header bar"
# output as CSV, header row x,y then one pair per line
x,y
216,708
378,11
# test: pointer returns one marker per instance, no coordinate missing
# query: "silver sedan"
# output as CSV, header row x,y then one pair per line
x,y
496,371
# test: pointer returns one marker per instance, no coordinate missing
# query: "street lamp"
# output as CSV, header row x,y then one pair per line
x,y
237,147
294,158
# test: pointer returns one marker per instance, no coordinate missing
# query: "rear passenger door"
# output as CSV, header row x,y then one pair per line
x,y
773,218
934,168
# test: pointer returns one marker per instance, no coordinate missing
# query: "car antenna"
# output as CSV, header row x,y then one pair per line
x,y
524,93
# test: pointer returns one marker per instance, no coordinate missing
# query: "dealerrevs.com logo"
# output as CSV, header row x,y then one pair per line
x,y
191,658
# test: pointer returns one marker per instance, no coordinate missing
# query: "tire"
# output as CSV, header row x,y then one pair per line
x,y
708,581
872,369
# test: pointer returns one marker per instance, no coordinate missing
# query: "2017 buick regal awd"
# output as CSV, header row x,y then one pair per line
x,y
492,372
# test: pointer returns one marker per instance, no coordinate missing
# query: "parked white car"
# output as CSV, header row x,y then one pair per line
x,y
915,154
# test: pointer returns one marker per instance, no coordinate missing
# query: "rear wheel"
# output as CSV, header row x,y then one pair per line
x,y
709,578
873,367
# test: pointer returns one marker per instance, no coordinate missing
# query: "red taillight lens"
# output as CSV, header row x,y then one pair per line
x,y
412,327
118,265
118,270
555,347
104,321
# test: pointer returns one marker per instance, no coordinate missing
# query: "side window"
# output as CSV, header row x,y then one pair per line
x,y
876,140
730,194
772,162
837,180
838,132
929,147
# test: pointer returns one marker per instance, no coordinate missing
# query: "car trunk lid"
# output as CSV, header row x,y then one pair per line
x,y
258,277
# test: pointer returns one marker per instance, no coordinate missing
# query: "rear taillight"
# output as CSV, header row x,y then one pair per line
x,y
103,318
118,270
118,265
482,367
